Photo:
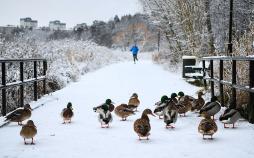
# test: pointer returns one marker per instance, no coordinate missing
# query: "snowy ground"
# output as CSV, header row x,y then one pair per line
x,y
85,138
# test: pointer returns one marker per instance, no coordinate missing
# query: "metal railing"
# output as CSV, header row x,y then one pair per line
x,y
233,84
22,82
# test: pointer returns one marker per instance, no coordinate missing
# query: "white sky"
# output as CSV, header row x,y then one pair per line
x,y
71,12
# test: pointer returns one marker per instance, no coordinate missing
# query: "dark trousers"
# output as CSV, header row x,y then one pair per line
x,y
135,57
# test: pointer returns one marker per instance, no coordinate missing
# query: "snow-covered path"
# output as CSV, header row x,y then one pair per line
x,y
84,137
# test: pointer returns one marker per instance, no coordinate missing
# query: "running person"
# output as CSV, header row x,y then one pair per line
x,y
134,51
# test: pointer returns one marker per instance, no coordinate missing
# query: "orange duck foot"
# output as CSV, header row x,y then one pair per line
x,y
211,136
225,125
169,126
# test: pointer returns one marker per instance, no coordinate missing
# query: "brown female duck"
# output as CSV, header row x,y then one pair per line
x,y
198,103
142,126
134,102
20,115
184,105
123,111
28,131
207,126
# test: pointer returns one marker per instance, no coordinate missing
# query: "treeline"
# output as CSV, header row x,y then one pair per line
x,y
201,27
118,33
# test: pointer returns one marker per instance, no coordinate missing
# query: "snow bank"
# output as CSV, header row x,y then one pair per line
x,y
69,59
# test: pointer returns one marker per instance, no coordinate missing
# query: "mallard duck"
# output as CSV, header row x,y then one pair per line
x,y
173,97
142,126
109,103
123,111
184,104
207,126
211,108
134,102
198,103
20,115
170,113
160,106
230,116
28,131
181,97
67,113
104,116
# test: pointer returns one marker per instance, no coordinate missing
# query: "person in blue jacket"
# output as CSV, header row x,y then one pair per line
x,y
134,51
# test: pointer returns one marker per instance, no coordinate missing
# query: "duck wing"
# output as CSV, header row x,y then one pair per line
x,y
142,127
208,106
207,126
15,115
67,113
228,115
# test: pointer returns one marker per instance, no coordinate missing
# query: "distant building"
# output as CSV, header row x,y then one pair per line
x,y
81,26
57,25
28,23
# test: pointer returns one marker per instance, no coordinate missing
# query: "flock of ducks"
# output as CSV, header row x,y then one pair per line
x,y
168,109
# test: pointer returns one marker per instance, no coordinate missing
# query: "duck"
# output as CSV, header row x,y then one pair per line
x,y
67,113
181,96
160,106
198,103
184,104
142,125
134,102
230,117
207,126
124,111
174,97
20,114
211,108
109,103
170,114
104,116
28,131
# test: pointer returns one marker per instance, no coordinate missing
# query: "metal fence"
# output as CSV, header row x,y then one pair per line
x,y
36,78
233,84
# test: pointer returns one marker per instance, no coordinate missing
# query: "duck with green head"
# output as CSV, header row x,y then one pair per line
x,y
170,113
104,116
174,97
160,106
67,113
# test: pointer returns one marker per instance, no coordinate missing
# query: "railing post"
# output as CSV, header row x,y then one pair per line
x,y
233,102
221,85
212,82
204,73
3,90
35,82
44,74
251,95
21,86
